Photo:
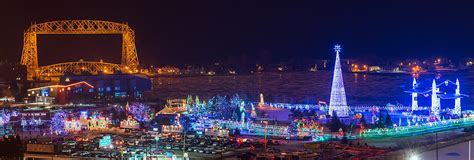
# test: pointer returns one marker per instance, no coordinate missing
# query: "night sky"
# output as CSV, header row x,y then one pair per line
x,y
200,32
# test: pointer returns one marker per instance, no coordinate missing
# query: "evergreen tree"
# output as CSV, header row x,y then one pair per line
x,y
362,120
388,121
335,123
292,128
235,114
380,121
236,131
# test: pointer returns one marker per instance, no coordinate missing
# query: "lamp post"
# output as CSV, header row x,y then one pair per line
x,y
265,135
436,145
184,144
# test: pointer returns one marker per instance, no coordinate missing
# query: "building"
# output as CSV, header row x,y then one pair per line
x,y
168,71
12,81
113,86
62,93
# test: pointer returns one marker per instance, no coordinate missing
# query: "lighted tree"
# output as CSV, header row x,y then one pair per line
x,y
5,116
253,113
141,112
337,100
57,122
235,115
189,100
293,128
235,101
197,101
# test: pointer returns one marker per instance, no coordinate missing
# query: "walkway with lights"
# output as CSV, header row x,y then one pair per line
x,y
413,130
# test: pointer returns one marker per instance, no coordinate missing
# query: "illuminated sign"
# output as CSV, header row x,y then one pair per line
x,y
105,142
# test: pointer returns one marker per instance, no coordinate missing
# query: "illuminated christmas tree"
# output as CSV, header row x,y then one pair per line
x,y
414,97
457,101
338,101
435,102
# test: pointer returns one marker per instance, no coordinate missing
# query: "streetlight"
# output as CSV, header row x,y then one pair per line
x,y
436,145
414,157
185,154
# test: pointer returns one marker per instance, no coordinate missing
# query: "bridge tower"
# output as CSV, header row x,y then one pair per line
x,y
435,101
338,101
414,97
29,56
457,101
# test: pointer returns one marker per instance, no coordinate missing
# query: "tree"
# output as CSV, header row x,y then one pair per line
x,y
388,121
335,123
57,122
235,116
141,112
362,120
236,131
380,121
292,128
185,122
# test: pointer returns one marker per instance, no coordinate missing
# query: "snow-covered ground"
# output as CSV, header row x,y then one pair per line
x,y
278,114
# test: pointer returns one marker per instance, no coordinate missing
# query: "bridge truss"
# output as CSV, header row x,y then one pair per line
x,y
60,69
29,56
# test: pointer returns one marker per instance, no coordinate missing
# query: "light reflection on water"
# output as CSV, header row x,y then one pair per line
x,y
307,87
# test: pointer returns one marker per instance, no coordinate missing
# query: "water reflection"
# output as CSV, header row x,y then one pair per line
x,y
305,87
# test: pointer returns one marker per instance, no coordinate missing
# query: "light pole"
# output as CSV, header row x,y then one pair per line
x,y
265,135
436,145
184,143
469,150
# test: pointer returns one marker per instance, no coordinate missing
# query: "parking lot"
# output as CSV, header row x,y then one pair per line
x,y
139,144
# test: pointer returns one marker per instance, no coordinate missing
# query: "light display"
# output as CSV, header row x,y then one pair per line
x,y
197,102
172,128
5,116
338,101
242,117
98,123
414,97
130,123
32,122
216,132
217,106
457,101
57,122
72,125
23,122
307,127
261,102
140,112
253,113
435,102
249,128
417,129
